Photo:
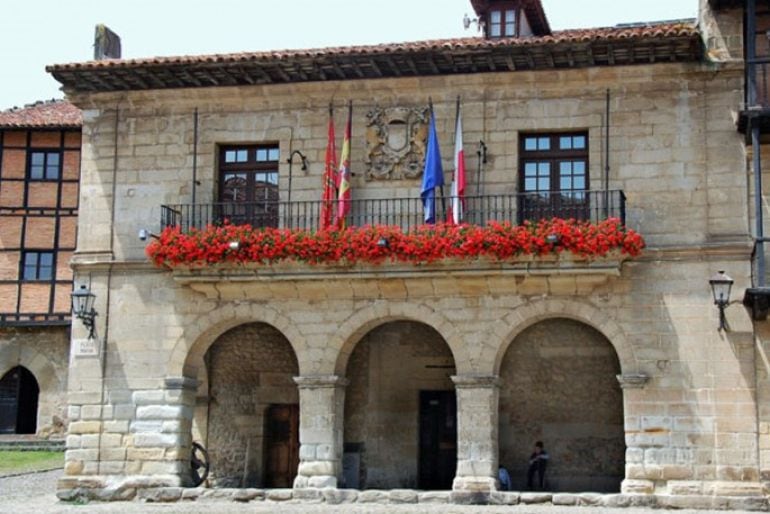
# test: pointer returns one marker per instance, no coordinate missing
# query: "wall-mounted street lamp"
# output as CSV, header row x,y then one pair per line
x,y
83,308
721,284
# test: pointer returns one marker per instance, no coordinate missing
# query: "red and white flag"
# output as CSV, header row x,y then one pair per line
x,y
455,214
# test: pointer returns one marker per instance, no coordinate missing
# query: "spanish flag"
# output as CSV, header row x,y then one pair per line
x,y
343,189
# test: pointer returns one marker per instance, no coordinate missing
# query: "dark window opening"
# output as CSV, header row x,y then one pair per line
x,y
44,165
248,185
37,265
553,175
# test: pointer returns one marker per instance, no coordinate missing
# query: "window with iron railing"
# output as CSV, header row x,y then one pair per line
x,y
553,172
248,184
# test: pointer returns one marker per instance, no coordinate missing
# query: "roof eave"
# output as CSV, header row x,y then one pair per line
x,y
387,64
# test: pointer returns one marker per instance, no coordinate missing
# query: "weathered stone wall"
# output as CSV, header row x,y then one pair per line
x,y
558,385
45,353
387,371
250,368
691,429
673,148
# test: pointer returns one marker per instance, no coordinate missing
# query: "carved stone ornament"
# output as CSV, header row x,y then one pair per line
x,y
633,380
396,138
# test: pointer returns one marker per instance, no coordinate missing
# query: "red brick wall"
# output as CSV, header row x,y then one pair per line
x,y
39,216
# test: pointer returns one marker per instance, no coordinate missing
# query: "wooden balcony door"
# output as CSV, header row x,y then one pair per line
x,y
553,174
248,185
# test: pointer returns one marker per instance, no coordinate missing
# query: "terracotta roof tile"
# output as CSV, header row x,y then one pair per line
x,y
50,113
640,31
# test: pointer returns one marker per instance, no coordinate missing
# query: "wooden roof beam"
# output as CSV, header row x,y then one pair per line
x,y
374,67
263,76
281,73
393,66
433,66
299,71
509,62
338,70
209,77
411,65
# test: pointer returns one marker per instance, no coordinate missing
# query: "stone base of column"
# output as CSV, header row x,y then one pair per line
x,y
316,474
474,484
113,487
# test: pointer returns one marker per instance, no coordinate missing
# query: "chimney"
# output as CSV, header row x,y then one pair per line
x,y
106,43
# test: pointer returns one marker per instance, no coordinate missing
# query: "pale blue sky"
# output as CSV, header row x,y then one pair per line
x,y
40,32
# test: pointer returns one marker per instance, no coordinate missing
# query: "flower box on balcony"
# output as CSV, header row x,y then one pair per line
x,y
243,253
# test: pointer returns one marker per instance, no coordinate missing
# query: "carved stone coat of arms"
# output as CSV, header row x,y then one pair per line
x,y
395,142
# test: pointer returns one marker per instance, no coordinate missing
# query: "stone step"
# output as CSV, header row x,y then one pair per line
x,y
33,445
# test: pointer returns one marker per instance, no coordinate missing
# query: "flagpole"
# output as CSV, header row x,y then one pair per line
x,y
454,191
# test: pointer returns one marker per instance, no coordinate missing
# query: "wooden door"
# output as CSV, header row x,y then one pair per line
x,y
9,401
18,402
281,445
438,439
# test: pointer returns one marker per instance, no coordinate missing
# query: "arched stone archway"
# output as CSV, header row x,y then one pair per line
x,y
19,392
530,313
363,321
400,428
558,385
46,359
200,333
252,407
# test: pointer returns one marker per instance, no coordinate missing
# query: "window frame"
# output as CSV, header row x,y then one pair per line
x,y
38,253
553,157
46,153
555,200
502,8
252,167
260,205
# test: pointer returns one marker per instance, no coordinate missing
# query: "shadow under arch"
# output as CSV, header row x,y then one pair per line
x,y
363,321
400,413
531,313
558,385
189,350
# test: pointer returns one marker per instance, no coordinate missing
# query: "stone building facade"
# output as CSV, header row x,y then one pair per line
x,y
39,174
423,376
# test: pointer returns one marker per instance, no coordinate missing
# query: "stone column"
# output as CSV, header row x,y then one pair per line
x,y
636,480
321,407
477,425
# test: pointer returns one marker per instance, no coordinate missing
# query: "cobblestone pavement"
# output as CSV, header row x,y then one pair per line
x,y
34,493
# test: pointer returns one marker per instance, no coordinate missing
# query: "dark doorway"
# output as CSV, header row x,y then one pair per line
x,y
281,445
438,439
18,402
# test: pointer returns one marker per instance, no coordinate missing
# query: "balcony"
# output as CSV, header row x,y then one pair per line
x,y
406,213
214,249
756,112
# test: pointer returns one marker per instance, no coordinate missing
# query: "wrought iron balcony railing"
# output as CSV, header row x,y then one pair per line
x,y
407,213
758,83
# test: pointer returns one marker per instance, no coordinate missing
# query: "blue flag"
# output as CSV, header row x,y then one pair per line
x,y
433,174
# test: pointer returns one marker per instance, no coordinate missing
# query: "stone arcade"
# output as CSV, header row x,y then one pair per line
x,y
425,377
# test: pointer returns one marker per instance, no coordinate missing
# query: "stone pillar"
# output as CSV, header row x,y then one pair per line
x,y
160,431
321,412
636,480
477,425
